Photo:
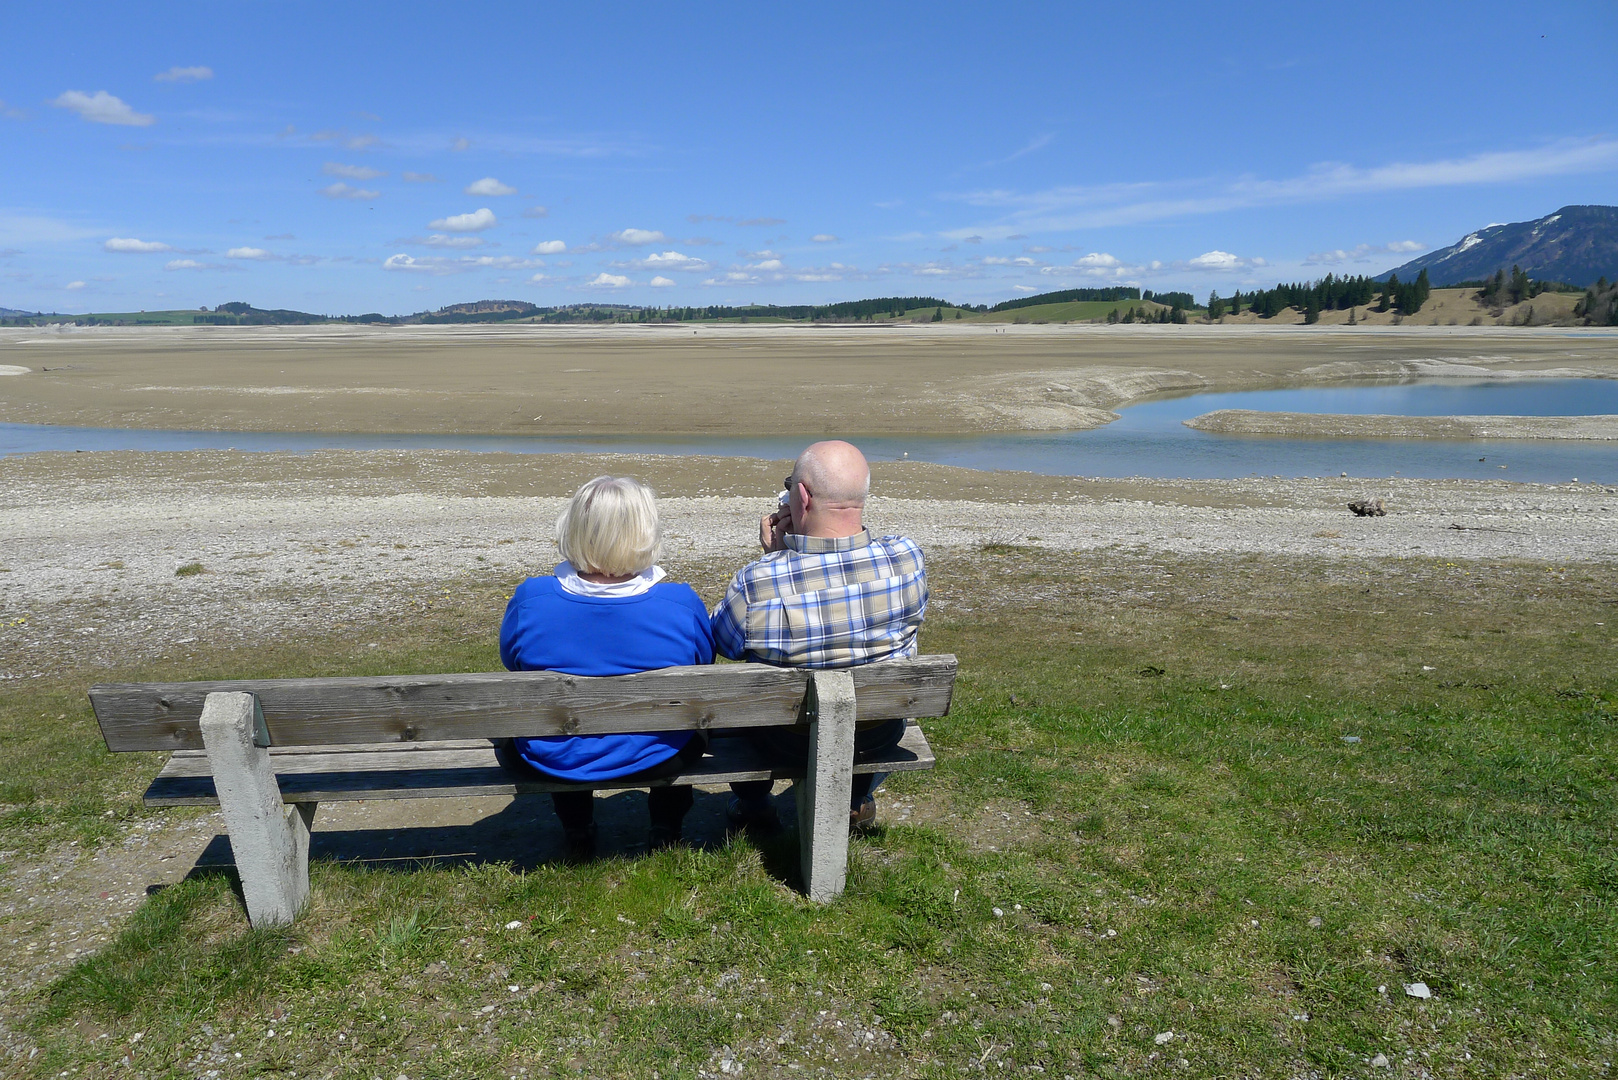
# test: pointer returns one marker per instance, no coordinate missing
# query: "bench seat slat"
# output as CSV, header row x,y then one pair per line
x,y
467,767
402,709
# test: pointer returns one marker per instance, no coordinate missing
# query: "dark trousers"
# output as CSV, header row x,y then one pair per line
x,y
792,744
666,805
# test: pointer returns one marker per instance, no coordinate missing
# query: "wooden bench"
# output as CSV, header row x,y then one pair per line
x,y
268,751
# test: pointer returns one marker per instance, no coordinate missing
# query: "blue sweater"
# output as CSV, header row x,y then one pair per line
x,y
549,629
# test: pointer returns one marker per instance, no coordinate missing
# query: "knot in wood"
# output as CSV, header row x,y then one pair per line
x,y
409,734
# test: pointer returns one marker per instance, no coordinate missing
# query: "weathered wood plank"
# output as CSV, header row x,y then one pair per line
x,y
426,708
437,770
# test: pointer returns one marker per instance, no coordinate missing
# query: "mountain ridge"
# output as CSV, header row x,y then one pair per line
x,y
1576,245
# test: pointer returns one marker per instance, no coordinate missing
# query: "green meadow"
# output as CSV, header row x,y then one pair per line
x,y
1199,816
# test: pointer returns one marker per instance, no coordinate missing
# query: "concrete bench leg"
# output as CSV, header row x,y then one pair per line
x,y
269,839
823,795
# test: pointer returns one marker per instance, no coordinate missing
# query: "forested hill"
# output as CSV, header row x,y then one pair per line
x,y
1577,244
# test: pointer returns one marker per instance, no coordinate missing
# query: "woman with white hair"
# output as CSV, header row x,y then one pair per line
x,y
606,610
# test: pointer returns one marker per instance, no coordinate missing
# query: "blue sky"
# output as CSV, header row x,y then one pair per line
x,y
369,157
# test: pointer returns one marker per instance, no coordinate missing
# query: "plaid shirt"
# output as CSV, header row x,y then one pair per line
x,y
825,603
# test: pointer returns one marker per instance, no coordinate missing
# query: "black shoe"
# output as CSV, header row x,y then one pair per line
x,y
754,821
863,816
579,845
663,837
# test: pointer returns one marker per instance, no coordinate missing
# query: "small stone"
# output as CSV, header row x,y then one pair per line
x,y
1382,989
999,914
1316,922
1350,739
1046,987
1418,990
514,924
1379,1062
1163,1037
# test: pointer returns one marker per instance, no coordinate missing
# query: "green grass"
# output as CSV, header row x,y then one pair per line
x,y
1144,801
1074,311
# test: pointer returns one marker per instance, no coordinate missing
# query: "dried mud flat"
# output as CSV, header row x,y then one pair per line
x,y
90,545
650,380
1333,426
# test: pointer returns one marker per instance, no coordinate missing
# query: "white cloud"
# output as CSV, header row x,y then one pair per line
x,y
439,240
102,108
823,238
1024,288
350,141
440,264
1001,260
341,190
10,112
734,277
351,172
420,178
185,264
672,260
476,221
461,144
73,286
1221,261
769,264
408,262
258,254
539,279
131,245
637,237
489,186
610,281
184,74
549,247
662,282
1362,253
1069,208
536,212
1098,259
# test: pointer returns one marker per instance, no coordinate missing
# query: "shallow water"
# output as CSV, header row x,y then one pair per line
x,y
1148,440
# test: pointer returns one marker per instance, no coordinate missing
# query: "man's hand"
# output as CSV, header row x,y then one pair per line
x,y
773,529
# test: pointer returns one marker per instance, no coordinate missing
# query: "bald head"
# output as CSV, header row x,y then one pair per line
x,y
836,474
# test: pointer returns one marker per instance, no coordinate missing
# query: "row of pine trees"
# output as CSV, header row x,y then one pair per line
x,y
1330,293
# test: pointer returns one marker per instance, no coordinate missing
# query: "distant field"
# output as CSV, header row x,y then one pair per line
x,y
142,318
1074,311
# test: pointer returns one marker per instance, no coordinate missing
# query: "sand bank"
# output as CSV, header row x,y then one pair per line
x,y
89,543
1335,426
733,380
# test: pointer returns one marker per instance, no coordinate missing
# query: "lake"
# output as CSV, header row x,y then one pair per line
x,y
1148,440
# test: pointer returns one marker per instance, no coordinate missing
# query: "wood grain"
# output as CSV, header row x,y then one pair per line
x,y
499,704
434,770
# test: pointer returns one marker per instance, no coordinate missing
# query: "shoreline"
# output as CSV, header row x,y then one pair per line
x,y
1594,428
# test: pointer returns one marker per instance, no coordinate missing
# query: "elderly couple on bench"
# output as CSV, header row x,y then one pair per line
x,y
825,594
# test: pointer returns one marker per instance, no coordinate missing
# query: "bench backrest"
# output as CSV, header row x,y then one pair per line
x,y
502,704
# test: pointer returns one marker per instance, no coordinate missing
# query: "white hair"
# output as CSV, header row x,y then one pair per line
x,y
610,526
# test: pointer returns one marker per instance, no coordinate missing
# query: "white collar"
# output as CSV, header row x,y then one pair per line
x,y
570,581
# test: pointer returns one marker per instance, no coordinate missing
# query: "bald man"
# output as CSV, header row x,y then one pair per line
x,y
825,594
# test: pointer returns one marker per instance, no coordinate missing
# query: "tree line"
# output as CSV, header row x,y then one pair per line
x,y
1330,293
1068,296
1599,304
